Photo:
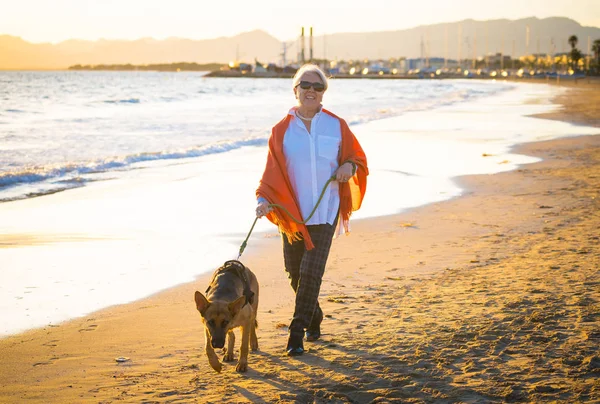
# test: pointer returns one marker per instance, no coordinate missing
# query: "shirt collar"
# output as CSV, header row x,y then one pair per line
x,y
293,111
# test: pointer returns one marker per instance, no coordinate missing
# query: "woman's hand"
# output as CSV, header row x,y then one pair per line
x,y
263,208
344,172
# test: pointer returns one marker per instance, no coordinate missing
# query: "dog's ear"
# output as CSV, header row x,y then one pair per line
x,y
201,302
236,306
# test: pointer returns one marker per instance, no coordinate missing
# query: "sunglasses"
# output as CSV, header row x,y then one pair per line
x,y
318,87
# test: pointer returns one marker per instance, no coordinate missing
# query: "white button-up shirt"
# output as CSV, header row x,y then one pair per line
x,y
311,159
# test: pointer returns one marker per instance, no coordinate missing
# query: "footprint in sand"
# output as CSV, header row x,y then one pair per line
x,y
91,327
50,343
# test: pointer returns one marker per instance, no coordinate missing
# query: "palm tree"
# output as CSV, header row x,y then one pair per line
x,y
573,41
575,53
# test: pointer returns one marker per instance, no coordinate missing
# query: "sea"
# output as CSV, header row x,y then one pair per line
x,y
129,183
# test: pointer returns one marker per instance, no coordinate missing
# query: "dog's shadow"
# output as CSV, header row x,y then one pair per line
x,y
277,370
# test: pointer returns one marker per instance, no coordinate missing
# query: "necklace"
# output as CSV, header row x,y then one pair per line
x,y
303,118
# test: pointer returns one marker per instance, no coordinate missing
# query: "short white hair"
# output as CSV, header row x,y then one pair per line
x,y
309,67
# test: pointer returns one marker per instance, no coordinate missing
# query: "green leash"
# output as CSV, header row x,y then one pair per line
x,y
273,205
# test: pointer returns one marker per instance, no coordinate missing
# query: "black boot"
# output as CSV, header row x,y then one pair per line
x,y
295,347
313,332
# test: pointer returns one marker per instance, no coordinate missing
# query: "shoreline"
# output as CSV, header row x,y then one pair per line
x,y
387,287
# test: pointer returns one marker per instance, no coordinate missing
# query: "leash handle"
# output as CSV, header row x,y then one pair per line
x,y
274,205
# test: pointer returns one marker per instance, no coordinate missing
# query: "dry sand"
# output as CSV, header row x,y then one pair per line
x,y
490,297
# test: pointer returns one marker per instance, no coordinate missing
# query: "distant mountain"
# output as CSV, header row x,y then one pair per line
x,y
470,37
18,54
438,40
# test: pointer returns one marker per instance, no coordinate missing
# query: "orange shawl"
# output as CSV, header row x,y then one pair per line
x,y
276,188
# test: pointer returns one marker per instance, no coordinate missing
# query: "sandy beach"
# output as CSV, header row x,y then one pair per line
x,y
490,297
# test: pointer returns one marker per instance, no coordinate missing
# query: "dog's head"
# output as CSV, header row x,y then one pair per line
x,y
218,316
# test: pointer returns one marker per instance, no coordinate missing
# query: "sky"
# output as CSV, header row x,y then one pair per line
x,y
58,20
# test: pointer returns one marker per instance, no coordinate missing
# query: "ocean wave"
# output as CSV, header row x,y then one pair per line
x,y
460,95
170,99
72,173
124,101
35,194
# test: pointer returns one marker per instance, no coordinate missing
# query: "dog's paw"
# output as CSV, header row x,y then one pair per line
x,y
254,347
241,367
217,366
228,357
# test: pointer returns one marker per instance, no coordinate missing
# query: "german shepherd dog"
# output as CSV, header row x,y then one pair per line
x,y
231,301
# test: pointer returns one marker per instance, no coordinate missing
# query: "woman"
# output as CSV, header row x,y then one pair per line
x,y
307,148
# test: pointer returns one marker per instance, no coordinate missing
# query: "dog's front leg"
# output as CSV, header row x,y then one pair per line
x,y
253,337
213,360
230,346
242,364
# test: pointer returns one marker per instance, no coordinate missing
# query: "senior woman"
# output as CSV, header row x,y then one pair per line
x,y
307,148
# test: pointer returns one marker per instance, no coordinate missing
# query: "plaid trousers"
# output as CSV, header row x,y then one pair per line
x,y
305,270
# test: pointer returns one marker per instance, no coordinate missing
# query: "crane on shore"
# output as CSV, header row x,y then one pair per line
x,y
285,46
